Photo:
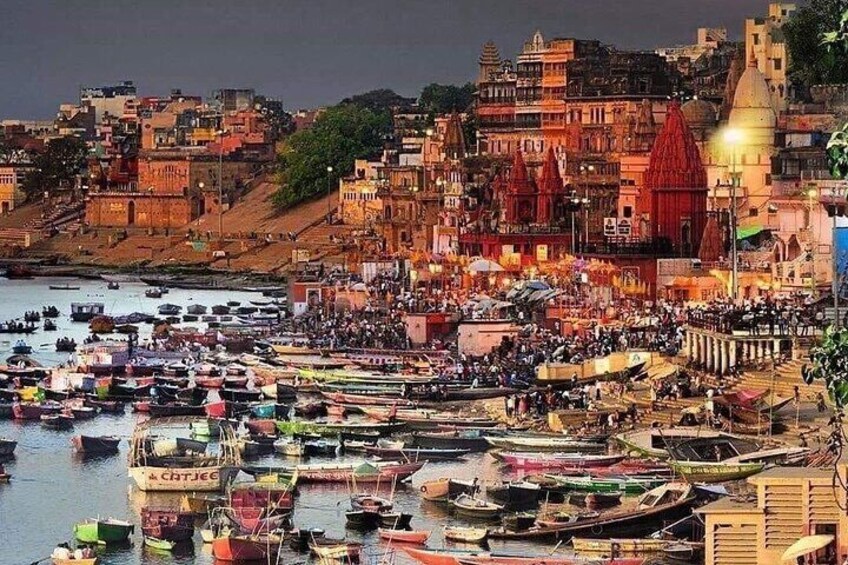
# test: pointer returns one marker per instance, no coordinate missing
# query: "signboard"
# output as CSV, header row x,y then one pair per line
x,y
624,226
610,227
541,253
300,256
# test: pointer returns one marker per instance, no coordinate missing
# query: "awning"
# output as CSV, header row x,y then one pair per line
x,y
750,231
805,546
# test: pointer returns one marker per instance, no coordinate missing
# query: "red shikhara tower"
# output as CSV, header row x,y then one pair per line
x,y
550,190
677,183
520,197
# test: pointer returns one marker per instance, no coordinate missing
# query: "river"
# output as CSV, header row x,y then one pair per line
x,y
53,488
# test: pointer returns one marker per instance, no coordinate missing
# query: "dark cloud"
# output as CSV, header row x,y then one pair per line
x,y
307,52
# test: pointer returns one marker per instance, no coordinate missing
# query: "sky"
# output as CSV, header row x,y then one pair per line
x,y
307,53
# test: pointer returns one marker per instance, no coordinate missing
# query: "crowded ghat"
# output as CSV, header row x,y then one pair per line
x,y
458,410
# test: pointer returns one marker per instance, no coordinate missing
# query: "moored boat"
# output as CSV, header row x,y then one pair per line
x,y
95,444
468,505
404,536
103,531
704,472
466,535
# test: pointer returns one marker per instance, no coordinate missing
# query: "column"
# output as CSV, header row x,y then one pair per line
x,y
724,357
705,353
776,346
732,352
758,350
748,354
716,356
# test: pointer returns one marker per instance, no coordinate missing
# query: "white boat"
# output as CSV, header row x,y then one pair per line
x,y
289,447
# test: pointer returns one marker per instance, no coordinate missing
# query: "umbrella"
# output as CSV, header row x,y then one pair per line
x,y
359,286
484,266
806,545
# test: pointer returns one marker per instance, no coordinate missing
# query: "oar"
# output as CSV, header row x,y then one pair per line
x,y
40,560
556,547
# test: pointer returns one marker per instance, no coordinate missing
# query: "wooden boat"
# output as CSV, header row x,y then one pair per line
x,y
546,443
441,490
415,453
167,524
95,444
594,500
426,419
235,381
7,447
466,535
624,546
682,551
704,472
263,410
334,429
159,544
365,400
414,536
467,505
57,421
515,495
438,556
209,381
261,426
654,442
106,406
627,485
90,561
62,287
244,548
472,440
524,460
84,412
343,552
103,531
240,395
667,502
201,505
289,447
540,560
175,409
361,473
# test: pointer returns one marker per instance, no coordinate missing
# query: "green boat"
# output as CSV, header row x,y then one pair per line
x,y
701,472
103,531
625,485
205,428
159,544
333,429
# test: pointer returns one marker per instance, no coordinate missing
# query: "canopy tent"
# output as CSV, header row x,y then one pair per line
x,y
484,266
750,231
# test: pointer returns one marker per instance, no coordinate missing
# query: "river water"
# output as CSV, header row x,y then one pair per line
x,y
53,488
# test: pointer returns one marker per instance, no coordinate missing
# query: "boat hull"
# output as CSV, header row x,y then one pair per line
x,y
200,479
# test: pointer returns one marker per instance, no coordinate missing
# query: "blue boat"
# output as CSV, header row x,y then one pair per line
x,y
263,410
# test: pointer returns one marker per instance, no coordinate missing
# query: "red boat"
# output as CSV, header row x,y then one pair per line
x,y
31,411
243,548
524,460
209,382
363,400
363,473
141,406
414,536
544,560
235,382
262,426
167,524
216,409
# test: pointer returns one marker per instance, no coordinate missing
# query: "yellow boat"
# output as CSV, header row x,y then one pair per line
x,y
624,546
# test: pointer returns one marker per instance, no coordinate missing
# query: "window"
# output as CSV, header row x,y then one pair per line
x,y
628,211
756,39
778,64
753,212
768,179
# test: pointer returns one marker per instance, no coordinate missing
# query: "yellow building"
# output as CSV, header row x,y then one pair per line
x,y
765,44
359,201
11,179
790,503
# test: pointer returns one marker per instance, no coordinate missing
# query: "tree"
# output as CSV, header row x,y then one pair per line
x,y
58,166
381,100
440,99
811,61
338,137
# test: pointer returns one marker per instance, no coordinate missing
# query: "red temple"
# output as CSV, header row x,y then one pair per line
x,y
677,184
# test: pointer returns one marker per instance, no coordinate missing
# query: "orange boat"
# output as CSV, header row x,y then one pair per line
x,y
414,536
243,548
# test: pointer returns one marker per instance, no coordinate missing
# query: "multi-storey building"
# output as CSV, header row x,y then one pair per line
x,y
108,99
765,46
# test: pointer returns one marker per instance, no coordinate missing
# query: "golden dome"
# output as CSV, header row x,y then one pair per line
x,y
699,113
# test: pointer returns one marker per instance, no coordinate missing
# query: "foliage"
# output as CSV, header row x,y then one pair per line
x,y
338,137
829,362
56,167
445,98
810,41
837,153
381,100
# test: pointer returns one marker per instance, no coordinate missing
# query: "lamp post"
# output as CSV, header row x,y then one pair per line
x,y
811,195
201,186
221,134
575,202
586,170
733,137
329,184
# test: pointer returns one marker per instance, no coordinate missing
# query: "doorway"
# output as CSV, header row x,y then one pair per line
x,y
131,213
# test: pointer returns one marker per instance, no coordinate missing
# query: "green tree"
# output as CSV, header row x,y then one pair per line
x,y
56,167
338,137
445,98
811,61
829,362
381,100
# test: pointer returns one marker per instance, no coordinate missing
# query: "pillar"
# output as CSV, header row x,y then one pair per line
x,y
732,352
725,355
758,350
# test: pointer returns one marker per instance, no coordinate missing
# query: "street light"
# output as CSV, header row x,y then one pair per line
x,y
329,184
733,138
812,193
220,133
586,170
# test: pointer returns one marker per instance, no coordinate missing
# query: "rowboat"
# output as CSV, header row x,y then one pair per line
x,y
95,444
467,505
524,460
209,381
624,546
344,552
243,548
365,400
289,447
703,472
425,419
167,524
594,500
159,544
441,490
7,447
200,505
472,440
103,531
333,429
667,502
415,453
91,561
263,410
465,535
514,495
654,442
361,473
414,536
534,443
627,485
540,560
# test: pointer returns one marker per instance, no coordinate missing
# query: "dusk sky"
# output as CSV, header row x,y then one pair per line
x,y
306,52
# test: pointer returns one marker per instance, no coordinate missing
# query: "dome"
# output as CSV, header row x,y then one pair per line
x,y
699,113
752,111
